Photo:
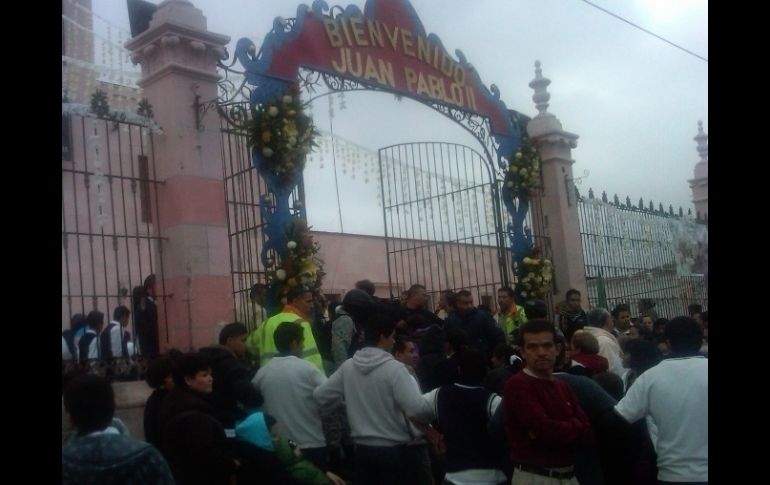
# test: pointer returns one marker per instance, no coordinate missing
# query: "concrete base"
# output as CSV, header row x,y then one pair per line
x,y
129,408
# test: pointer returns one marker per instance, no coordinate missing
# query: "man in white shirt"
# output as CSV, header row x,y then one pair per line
x,y
674,394
287,383
600,324
112,337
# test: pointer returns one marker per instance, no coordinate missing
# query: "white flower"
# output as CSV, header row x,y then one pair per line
x,y
514,169
280,274
531,276
547,262
523,172
527,260
292,141
291,245
524,294
518,154
287,99
273,111
509,184
267,151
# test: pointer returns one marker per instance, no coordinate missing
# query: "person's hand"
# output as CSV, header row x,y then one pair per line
x,y
335,479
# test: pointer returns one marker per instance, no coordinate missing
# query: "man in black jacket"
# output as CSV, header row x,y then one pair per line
x,y
483,334
234,395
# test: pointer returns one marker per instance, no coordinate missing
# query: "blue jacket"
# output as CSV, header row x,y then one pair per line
x,y
483,334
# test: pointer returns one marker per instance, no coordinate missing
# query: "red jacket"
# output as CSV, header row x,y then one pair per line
x,y
593,362
544,423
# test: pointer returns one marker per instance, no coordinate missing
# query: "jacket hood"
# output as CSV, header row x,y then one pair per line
x,y
254,430
370,358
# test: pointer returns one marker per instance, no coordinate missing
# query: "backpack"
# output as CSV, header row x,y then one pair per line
x,y
85,342
69,339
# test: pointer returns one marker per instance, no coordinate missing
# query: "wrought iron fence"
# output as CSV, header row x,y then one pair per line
x,y
246,196
639,252
110,236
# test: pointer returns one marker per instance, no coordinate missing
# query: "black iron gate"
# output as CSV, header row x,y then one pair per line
x,y
443,220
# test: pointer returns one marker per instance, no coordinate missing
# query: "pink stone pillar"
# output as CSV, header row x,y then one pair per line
x,y
178,58
558,202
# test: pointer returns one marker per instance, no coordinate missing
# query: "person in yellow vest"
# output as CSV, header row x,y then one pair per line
x,y
299,308
511,316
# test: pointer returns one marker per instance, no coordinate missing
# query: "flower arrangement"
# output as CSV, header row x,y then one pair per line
x,y
301,265
523,171
534,276
282,134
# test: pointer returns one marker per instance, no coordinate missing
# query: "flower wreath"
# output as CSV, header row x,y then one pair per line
x,y
534,276
301,266
523,173
282,134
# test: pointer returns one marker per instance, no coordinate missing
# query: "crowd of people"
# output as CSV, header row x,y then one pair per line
x,y
373,392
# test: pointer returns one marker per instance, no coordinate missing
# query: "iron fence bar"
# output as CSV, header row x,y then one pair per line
x,y
441,218
101,228
412,207
462,210
137,201
426,215
164,294
90,227
111,176
228,215
385,221
65,246
125,230
77,212
402,231
473,230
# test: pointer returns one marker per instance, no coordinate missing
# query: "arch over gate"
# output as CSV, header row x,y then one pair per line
x,y
385,48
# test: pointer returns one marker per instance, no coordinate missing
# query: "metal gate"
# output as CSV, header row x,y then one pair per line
x,y
246,199
442,218
110,235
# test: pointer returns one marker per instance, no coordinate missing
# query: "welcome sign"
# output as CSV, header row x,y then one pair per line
x,y
387,47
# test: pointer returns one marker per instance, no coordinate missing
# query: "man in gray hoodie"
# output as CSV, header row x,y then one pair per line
x,y
380,396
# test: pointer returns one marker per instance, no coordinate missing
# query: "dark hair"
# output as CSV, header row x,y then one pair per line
x,y
684,335
412,289
296,291
503,352
77,322
612,383
643,354
484,308
285,334
189,365
535,326
473,367
158,370
149,281
450,296
366,286
597,317
400,345
571,292
95,319
660,322
378,325
90,402
704,317
358,304
256,289
508,290
620,308
120,312
235,329
457,338
694,308
463,294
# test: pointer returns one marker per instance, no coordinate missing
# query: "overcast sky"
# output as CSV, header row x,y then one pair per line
x,y
633,99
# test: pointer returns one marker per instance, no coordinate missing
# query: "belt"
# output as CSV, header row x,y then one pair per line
x,y
546,472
